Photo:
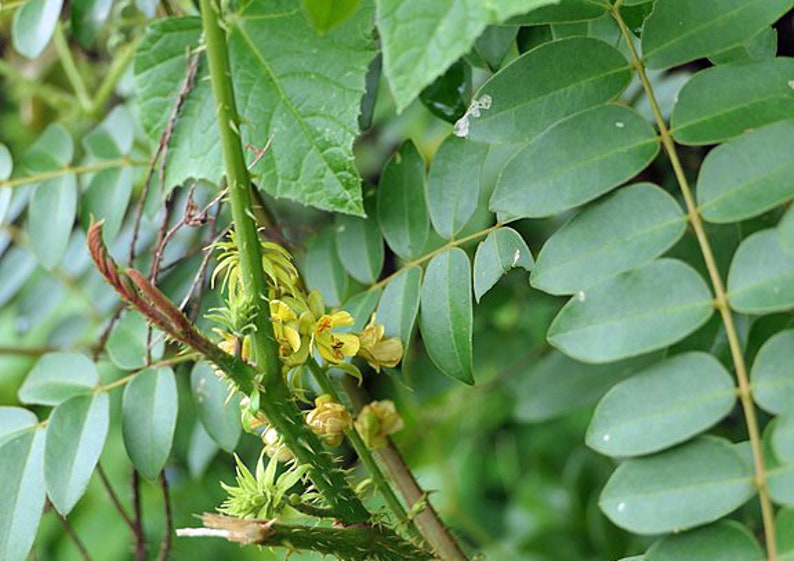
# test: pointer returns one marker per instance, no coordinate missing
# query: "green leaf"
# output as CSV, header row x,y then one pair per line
x,y
16,266
725,101
359,243
107,193
537,89
22,489
453,185
761,46
6,164
149,412
558,385
727,541
663,405
564,11
361,307
693,484
445,319
323,271
785,231
494,43
51,214
219,415
633,313
14,420
773,385
761,277
400,303
563,168
402,210
449,95
678,31
106,198
127,343
785,533
621,232
327,14
748,176
53,149
57,377
88,16
75,438
421,39
504,249
201,451
782,440
306,99
34,24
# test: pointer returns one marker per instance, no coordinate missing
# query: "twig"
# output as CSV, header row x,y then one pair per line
x,y
115,499
165,544
74,537
140,538
162,147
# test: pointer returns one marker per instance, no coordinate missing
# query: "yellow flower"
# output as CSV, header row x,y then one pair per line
x,y
231,345
274,447
334,347
330,420
377,421
285,324
251,419
377,351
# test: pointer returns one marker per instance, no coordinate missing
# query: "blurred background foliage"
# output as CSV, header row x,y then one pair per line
x,y
506,459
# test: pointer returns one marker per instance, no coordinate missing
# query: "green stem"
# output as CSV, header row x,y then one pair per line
x,y
120,63
428,256
721,299
70,68
52,96
364,454
276,404
77,170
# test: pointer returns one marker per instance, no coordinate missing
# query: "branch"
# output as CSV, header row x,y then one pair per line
x,y
721,298
350,543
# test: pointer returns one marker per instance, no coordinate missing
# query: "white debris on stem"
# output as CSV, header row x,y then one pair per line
x,y
461,127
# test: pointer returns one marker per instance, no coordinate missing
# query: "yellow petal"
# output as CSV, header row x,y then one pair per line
x,y
339,319
349,343
293,338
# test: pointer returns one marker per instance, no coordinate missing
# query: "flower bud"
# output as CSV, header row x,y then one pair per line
x,y
377,421
329,420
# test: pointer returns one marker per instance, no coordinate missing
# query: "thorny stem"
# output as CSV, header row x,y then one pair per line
x,y
720,302
364,454
239,183
277,404
427,520
351,542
